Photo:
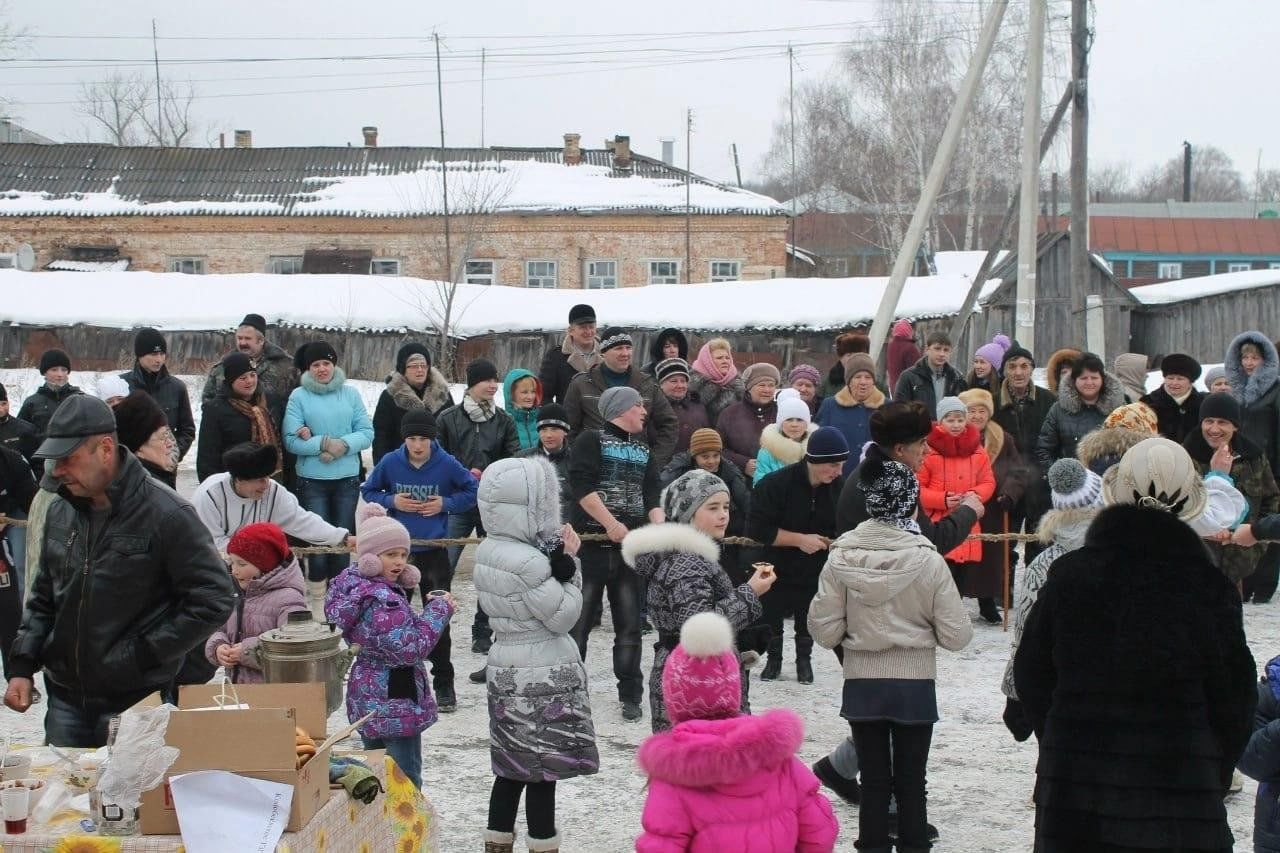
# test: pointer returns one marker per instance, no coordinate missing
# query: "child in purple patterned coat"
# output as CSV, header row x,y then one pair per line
x,y
369,602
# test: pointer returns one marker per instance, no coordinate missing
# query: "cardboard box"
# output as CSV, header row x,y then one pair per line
x,y
306,699
258,742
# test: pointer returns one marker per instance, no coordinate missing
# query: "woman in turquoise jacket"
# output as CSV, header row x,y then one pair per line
x,y
521,399
326,426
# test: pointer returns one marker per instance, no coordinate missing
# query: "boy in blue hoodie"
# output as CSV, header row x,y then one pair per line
x,y
421,485
521,397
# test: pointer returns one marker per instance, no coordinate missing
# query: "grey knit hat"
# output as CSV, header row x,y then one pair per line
x,y
1212,374
615,401
947,405
1074,486
681,499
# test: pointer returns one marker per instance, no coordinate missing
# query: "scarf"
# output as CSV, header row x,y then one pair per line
x,y
704,365
478,410
404,395
579,360
261,429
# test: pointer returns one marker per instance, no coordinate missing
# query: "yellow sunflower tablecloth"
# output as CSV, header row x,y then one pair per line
x,y
401,820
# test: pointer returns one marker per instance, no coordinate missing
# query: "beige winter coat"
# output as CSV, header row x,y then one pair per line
x,y
887,598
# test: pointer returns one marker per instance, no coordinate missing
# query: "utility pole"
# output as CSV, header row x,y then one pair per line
x,y
1080,39
791,88
937,172
155,55
444,164
1186,171
737,170
688,195
482,97
1025,304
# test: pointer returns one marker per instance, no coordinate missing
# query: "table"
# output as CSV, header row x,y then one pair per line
x,y
401,820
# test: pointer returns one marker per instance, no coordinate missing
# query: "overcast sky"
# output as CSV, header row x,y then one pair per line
x,y
1162,70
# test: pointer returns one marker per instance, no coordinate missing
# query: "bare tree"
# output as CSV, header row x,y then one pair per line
x,y
1113,182
1267,185
121,110
1214,177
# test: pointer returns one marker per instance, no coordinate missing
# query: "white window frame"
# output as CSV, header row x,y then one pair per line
x,y
597,280
840,267
654,278
1239,266
373,266
489,278
8,261
1169,269
736,275
276,261
1274,265
542,278
197,263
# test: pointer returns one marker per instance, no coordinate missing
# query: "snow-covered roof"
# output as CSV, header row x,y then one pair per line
x,y
88,266
87,180
964,263
1169,292
801,255
175,301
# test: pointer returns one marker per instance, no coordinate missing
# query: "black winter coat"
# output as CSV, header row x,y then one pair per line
x,y
1261,761
739,491
40,406
171,394
1258,394
19,436
561,462
477,445
110,619
17,484
784,500
1021,419
397,399
1071,419
917,384
222,427
1135,674
655,348
1175,421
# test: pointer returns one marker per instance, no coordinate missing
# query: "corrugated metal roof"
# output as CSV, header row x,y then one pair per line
x,y
1186,209
232,180
1180,236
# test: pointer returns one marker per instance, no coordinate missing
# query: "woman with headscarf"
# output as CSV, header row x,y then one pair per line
x,y
715,379
242,410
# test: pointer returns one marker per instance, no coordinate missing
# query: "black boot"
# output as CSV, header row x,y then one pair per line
x,y
773,666
804,669
847,789
988,611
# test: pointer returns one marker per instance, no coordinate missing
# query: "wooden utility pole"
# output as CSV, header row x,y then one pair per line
x,y
937,172
737,170
688,195
1025,304
482,97
1080,38
155,55
795,189
444,165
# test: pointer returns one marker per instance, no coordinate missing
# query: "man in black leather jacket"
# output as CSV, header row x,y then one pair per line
x,y
128,582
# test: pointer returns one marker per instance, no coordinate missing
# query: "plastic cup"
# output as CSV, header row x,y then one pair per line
x,y
437,593
16,766
762,567
16,802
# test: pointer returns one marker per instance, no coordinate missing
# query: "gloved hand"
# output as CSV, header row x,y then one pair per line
x,y
563,567
1015,719
358,780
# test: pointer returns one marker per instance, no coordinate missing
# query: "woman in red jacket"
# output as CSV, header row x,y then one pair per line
x,y
955,464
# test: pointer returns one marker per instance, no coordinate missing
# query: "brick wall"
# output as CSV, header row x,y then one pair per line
x,y
242,244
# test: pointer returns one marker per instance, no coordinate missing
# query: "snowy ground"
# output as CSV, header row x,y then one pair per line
x,y
980,778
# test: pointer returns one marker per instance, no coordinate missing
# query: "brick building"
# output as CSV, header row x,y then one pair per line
x,y
563,217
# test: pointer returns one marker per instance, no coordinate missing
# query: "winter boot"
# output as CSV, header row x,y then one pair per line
x,y
545,845
773,666
498,842
804,668
446,699
847,789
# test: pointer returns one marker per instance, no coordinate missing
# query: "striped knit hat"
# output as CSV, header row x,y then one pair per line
x,y
701,680
1074,486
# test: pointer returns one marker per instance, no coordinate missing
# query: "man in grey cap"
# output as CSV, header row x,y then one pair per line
x,y
615,486
128,582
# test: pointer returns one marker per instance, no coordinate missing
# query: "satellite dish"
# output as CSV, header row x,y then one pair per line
x,y
26,257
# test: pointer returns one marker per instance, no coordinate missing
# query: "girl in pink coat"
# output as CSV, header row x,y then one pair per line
x,y
723,781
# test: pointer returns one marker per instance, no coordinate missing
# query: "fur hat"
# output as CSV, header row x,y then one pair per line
x,y
235,365
1221,405
54,358
418,423
701,680
947,405
994,351
138,416
250,461
1158,474
481,370
859,362
309,354
377,533
792,407
1138,417
1073,486
409,350
110,386
618,399
851,342
705,440
826,444
685,494
892,490
553,415
804,371
262,544
978,397
148,341
256,321
1064,357
759,372
1180,364
900,423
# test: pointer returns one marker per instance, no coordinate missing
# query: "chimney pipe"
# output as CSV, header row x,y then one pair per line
x,y
244,138
1186,171
622,152
572,149
668,150
370,136
222,139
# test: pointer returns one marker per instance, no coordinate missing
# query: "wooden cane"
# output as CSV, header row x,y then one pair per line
x,y
1004,546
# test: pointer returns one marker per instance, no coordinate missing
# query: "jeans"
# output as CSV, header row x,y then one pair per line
x,y
67,724
539,807
335,502
893,759
405,751
603,569
784,598
16,538
436,574
461,524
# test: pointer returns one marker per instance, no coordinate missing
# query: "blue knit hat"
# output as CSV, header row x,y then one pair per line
x,y
827,444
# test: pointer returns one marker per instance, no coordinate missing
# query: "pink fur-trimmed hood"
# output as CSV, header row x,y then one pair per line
x,y
708,753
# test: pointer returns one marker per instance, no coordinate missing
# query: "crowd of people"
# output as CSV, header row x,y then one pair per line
x,y
859,492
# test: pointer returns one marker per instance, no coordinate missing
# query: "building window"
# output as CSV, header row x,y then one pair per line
x,y
725,270
1239,267
481,272
839,267
190,266
1274,265
540,274
1169,270
664,272
384,266
602,275
285,265
8,261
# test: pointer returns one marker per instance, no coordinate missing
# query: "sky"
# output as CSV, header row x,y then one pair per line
x,y
1163,71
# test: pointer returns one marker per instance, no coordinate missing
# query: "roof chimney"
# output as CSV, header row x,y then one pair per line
x,y
622,153
244,138
572,150
370,136
668,150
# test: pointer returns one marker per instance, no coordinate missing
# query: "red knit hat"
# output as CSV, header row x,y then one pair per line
x,y
262,544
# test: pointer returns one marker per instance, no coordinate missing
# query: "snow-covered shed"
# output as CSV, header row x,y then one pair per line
x,y
1200,316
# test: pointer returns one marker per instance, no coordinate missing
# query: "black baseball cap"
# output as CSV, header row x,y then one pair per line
x,y
78,418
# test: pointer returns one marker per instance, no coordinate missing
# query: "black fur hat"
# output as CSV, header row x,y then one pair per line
x,y
138,416
250,461
900,423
